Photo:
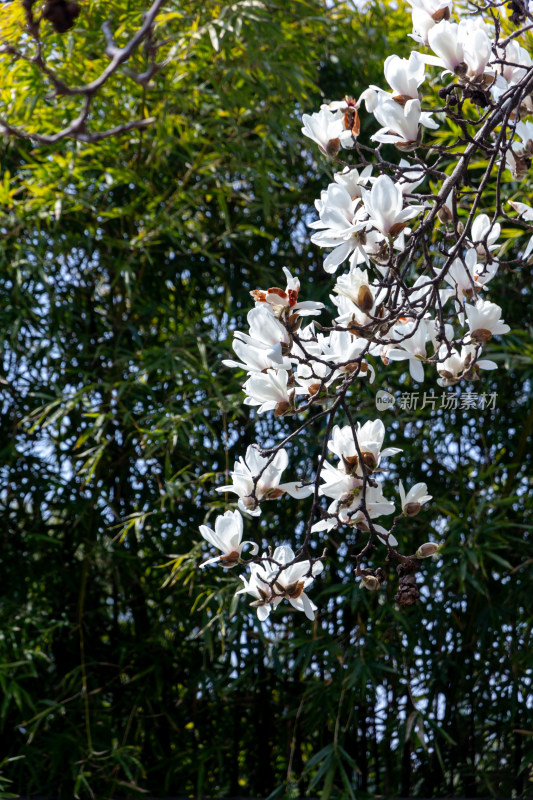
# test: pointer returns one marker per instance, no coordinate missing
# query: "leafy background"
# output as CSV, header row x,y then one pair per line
x,y
124,267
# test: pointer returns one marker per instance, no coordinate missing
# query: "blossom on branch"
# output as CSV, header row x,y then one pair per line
x,y
257,478
271,582
414,499
227,537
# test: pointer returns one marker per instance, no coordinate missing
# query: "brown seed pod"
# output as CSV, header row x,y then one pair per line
x,y
61,14
408,593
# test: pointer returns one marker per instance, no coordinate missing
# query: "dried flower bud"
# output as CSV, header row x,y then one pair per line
x,y
273,494
442,13
230,559
397,228
481,335
370,582
333,147
426,550
445,214
365,300
61,14
401,99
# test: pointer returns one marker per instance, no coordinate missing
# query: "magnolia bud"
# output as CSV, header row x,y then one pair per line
x,y
411,509
461,69
426,550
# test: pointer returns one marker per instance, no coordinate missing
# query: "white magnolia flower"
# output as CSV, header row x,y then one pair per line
x,y
338,483
484,321
270,391
526,212
445,40
517,164
325,128
467,276
272,582
345,349
484,235
477,46
384,205
523,209
372,98
525,131
412,348
438,9
352,180
227,537
339,225
426,14
278,300
404,76
257,359
415,497
370,438
350,316
313,377
422,24
412,176
516,63
258,585
401,124
351,123
292,580
357,287
265,330
267,474
346,509
464,48
455,366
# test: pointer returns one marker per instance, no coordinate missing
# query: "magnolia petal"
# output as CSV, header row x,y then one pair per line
x,y
416,369
254,547
214,560
303,603
385,536
263,612
324,525
296,490
485,363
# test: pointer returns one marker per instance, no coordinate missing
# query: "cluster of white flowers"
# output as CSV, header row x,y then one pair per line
x,y
378,225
